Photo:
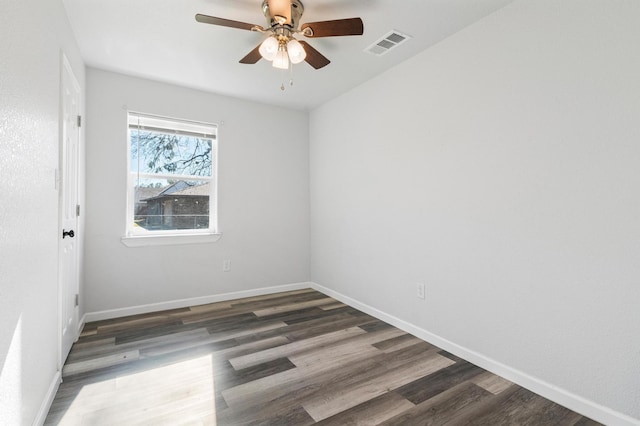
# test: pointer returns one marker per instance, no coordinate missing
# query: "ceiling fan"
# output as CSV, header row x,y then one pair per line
x,y
281,47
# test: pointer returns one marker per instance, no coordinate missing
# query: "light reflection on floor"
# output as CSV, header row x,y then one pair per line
x,y
180,393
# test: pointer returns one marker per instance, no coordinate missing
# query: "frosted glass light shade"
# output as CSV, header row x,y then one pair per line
x,y
296,51
281,60
269,48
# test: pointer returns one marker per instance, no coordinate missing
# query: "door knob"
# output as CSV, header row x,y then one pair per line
x,y
69,233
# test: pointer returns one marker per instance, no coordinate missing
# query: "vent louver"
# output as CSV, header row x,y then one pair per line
x,y
389,41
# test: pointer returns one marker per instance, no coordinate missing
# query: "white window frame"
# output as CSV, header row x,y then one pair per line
x,y
136,237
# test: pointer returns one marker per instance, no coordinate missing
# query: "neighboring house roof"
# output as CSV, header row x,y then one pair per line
x,y
174,187
182,189
144,193
196,190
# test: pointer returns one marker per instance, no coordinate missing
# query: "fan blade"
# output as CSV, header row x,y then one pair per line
x,y
206,19
280,8
252,57
339,27
314,58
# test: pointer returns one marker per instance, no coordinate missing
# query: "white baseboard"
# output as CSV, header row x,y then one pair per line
x,y
48,399
563,397
194,301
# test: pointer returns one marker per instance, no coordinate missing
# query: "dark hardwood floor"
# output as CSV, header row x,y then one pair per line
x,y
296,358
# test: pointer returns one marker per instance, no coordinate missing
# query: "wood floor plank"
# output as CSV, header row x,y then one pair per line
x,y
492,383
132,323
248,348
306,331
309,314
584,421
427,387
344,351
267,387
332,306
86,333
517,405
249,329
168,313
101,362
109,347
258,302
341,399
266,416
293,348
398,342
146,333
229,377
288,295
172,345
376,325
297,416
298,330
90,349
245,306
293,307
442,408
371,412
210,307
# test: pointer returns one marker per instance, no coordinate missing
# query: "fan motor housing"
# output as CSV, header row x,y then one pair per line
x,y
297,9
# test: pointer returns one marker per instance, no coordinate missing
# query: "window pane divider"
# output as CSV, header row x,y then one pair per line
x,y
171,177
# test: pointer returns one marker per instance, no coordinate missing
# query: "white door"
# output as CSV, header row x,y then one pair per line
x,y
68,232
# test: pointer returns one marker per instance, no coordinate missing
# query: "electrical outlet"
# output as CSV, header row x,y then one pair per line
x,y
226,266
420,290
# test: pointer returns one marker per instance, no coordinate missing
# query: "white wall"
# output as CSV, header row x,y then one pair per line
x,y
263,198
501,168
32,36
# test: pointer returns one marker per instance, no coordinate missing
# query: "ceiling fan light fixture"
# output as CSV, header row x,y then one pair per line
x,y
280,47
269,48
297,53
281,60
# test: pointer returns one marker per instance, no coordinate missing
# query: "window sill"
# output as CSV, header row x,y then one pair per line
x,y
167,240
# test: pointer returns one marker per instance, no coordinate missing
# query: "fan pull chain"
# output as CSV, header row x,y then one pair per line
x,y
282,86
290,75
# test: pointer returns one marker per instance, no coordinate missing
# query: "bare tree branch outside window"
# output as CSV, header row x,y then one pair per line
x,y
171,154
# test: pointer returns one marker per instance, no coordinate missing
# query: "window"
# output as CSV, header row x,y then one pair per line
x,y
171,180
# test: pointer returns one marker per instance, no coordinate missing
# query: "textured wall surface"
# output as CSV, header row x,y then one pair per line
x,y
263,198
33,34
501,169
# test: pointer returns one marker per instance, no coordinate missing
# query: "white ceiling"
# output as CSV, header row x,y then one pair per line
x,y
160,40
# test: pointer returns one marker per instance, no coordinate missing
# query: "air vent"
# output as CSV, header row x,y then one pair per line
x,y
390,41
